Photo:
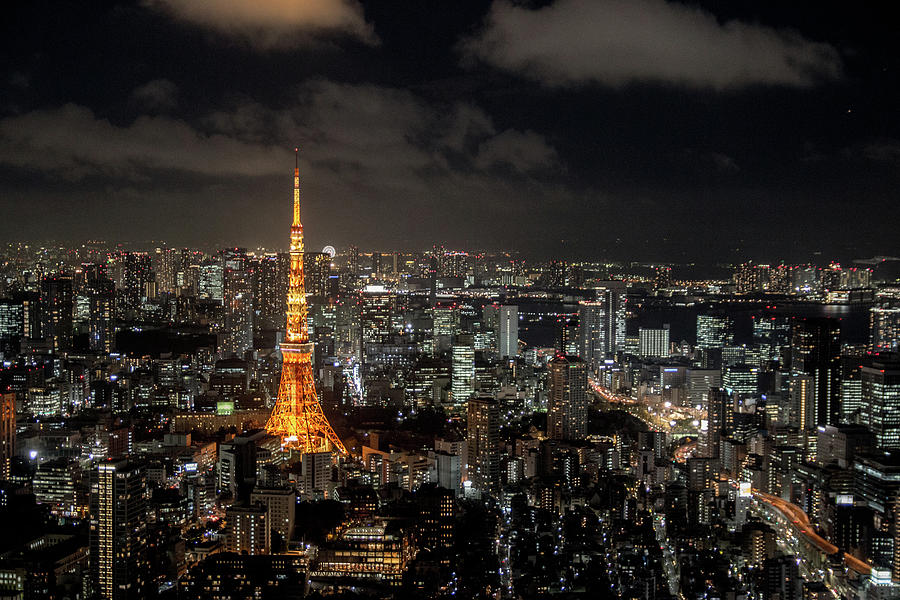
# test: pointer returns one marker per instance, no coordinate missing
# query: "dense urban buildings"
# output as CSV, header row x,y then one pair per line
x,y
580,430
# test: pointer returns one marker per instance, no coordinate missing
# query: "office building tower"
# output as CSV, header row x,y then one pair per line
x,y
237,294
816,351
58,306
747,278
11,327
281,504
851,388
771,336
720,419
268,294
884,329
508,331
101,315
601,327
317,266
567,403
802,390
462,373
137,274
118,531
7,433
653,343
315,474
166,268
210,283
483,443
249,530
714,331
376,312
436,518
445,326
880,409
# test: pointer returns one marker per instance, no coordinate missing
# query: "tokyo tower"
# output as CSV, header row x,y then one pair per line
x,y
297,416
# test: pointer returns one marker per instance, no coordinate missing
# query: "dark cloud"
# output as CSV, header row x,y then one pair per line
x,y
272,23
159,94
616,42
73,142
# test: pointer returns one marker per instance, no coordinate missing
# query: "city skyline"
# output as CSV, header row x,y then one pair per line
x,y
607,303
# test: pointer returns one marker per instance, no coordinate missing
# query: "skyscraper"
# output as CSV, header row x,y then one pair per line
x,y
714,331
268,295
567,406
881,400
720,419
101,315
462,373
601,326
118,531
816,351
58,304
653,343
483,443
7,433
237,293
297,417
884,329
137,274
508,334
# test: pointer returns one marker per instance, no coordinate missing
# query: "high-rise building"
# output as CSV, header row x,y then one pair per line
x,y
662,278
137,274
298,417
281,506
508,331
58,306
376,311
11,326
102,315
268,294
7,433
747,278
816,351
249,530
880,409
462,384
720,420
884,329
210,280
771,335
483,443
118,531
318,272
237,294
567,405
714,331
653,343
166,269
802,389
601,326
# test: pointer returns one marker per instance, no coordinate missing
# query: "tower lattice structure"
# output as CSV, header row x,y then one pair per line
x,y
297,416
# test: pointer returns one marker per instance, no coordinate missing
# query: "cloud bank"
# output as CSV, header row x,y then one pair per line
x,y
617,42
272,23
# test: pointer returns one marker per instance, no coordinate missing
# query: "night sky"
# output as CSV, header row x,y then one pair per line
x,y
623,129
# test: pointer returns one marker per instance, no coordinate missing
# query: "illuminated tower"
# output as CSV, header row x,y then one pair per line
x,y
297,416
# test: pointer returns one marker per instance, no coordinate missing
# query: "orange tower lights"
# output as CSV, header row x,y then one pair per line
x,y
297,416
